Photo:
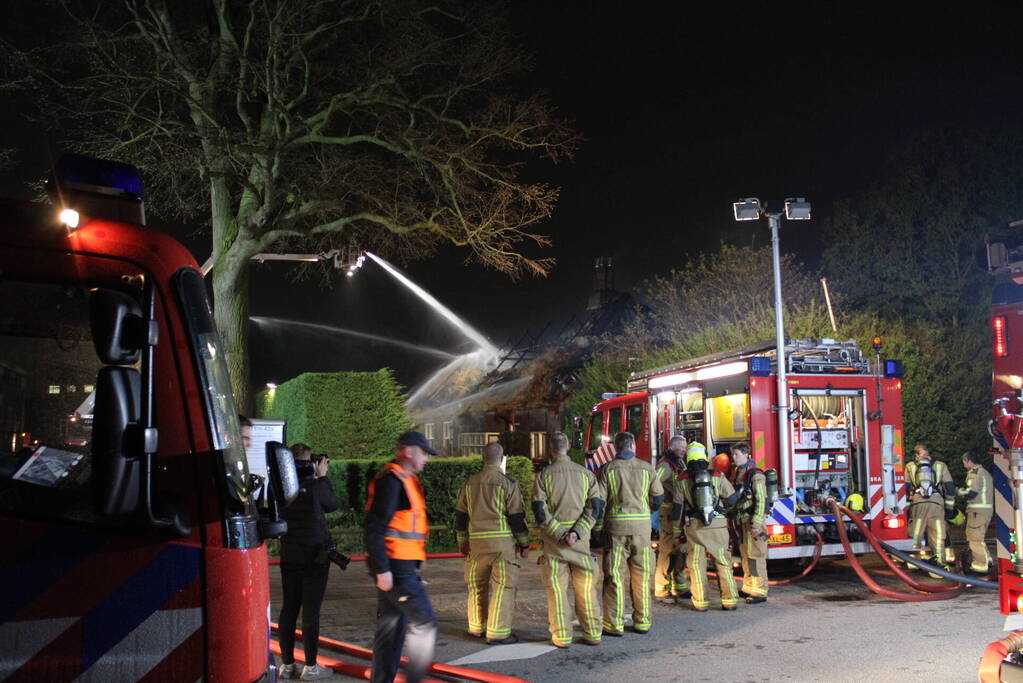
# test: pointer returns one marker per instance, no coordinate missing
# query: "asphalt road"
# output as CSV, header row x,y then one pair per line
x,y
828,627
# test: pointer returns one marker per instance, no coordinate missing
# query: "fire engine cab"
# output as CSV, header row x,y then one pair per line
x,y
844,429
134,550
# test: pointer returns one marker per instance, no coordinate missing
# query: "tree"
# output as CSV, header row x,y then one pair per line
x,y
307,124
913,243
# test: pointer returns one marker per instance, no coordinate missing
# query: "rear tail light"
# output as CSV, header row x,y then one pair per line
x,y
1000,340
1019,603
893,523
775,529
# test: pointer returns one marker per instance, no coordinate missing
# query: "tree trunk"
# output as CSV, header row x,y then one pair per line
x,y
231,312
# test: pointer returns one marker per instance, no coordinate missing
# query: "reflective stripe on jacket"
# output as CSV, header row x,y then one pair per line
x,y
406,533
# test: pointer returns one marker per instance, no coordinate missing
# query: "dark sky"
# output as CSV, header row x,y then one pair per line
x,y
683,113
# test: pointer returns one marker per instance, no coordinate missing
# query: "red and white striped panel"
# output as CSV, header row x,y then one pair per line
x,y
603,455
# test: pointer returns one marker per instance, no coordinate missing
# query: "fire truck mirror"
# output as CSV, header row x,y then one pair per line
x,y
118,330
116,457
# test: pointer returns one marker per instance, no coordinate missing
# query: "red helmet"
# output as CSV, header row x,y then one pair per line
x,y
723,463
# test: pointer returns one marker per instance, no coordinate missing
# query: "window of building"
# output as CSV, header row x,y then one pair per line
x,y
428,432
54,388
448,436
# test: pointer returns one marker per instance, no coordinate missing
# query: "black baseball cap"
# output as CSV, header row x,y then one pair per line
x,y
414,438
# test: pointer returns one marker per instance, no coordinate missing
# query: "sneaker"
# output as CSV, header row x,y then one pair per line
x,y
288,671
504,641
315,672
755,599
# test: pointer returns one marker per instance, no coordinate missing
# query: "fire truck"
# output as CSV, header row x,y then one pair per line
x,y
844,429
135,551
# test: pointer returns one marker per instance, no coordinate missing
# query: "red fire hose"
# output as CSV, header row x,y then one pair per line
x,y
435,668
362,558
994,657
347,668
869,581
896,569
809,567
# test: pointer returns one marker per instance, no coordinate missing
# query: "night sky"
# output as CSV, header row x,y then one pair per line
x,y
682,113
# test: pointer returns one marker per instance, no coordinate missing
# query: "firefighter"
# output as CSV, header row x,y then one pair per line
x,y
705,495
630,488
567,505
670,579
979,495
490,524
750,482
931,495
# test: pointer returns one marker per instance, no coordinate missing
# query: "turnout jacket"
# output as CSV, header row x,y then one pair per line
x,y
753,506
667,472
978,492
489,516
566,498
630,488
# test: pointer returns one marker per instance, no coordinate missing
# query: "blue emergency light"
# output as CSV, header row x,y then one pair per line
x,y
604,397
893,369
101,176
760,366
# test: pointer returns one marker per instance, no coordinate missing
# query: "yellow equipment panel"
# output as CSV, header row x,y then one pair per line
x,y
728,417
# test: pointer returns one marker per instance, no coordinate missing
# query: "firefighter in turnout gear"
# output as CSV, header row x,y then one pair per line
x,y
751,484
630,489
979,495
490,523
931,495
704,496
670,578
567,505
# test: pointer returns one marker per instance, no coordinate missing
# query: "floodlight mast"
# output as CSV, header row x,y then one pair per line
x,y
750,209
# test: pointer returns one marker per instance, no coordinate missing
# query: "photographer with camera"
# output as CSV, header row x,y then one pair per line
x,y
305,562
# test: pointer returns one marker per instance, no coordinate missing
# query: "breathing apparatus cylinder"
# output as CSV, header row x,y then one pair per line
x,y
925,478
771,479
703,495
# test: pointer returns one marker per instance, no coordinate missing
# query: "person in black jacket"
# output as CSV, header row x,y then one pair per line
x,y
304,563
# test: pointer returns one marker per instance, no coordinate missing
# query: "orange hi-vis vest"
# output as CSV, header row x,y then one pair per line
x,y
405,538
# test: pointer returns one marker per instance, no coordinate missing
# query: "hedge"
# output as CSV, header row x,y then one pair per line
x,y
441,480
343,414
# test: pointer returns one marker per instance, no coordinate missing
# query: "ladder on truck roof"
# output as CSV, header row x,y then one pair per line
x,y
801,356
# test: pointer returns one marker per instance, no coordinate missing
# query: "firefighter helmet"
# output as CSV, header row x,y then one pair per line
x,y
855,502
722,463
696,451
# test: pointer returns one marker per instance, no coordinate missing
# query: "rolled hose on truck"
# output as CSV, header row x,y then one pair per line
x,y
933,592
360,671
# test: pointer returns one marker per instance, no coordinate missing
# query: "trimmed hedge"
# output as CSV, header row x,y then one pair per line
x,y
344,414
441,480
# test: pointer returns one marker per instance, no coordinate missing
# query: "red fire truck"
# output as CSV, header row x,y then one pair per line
x,y
135,552
845,431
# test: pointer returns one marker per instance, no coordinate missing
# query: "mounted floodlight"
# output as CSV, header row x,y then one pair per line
x,y
797,209
70,218
747,209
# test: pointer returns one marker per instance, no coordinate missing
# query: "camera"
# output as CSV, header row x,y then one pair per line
x,y
337,557
317,457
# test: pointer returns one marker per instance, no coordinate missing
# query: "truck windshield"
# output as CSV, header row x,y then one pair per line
x,y
225,432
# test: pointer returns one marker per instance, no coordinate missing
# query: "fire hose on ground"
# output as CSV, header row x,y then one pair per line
x,y
361,671
941,593
806,571
994,667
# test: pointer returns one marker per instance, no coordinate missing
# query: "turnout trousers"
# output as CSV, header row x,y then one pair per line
x,y
627,558
405,607
556,574
713,542
929,520
492,579
754,561
977,522
670,576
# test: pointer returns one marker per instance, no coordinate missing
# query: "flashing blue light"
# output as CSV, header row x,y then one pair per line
x,y
98,175
604,397
760,366
893,369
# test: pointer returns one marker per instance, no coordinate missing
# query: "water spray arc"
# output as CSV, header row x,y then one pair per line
x,y
260,320
449,315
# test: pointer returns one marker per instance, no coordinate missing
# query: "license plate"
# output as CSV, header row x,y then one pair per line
x,y
780,539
